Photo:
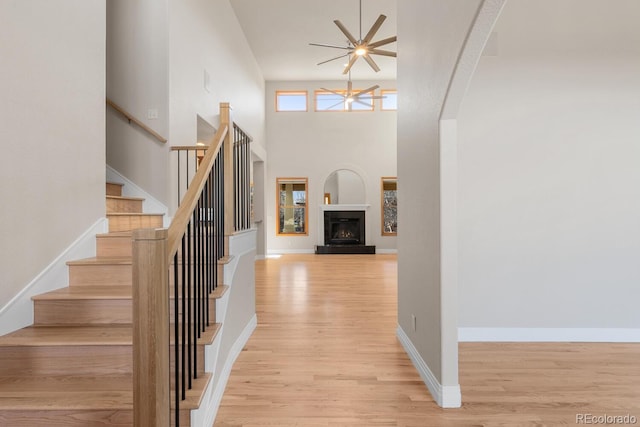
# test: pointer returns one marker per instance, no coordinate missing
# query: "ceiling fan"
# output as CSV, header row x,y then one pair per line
x,y
351,96
361,47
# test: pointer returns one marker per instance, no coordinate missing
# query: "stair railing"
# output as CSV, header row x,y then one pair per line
x,y
242,178
132,119
181,265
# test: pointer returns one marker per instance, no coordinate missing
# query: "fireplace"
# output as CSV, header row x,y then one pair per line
x,y
344,233
344,228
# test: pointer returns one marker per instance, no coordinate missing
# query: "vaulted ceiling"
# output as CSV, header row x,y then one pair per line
x,y
279,32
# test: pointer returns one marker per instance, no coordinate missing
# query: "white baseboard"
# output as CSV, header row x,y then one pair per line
x,y
631,335
131,189
18,312
221,384
445,396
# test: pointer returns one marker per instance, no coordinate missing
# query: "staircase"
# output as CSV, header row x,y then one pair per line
x,y
73,366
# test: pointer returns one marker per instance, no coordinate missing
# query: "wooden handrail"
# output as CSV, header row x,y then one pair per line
x,y
131,118
189,202
189,147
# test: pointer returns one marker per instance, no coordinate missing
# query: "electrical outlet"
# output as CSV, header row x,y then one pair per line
x,y
413,322
152,113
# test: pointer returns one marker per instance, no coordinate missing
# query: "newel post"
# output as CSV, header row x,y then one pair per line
x,y
229,202
151,394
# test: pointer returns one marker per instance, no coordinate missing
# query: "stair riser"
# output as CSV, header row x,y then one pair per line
x,y
95,312
124,205
85,312
77,418
79,360
67,418
113,246
128,223
114,189
28,361
98,274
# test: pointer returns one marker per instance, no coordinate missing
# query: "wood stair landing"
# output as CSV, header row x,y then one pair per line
x,y
73,367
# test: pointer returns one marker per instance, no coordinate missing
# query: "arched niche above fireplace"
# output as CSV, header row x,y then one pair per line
x,y
344,187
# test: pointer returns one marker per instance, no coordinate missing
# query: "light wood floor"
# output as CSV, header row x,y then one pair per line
x,y
325,353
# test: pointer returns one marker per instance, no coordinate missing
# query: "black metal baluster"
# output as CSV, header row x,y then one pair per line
x,y
179,192
188,297
176,336
196,270
222,212
183,316
247,183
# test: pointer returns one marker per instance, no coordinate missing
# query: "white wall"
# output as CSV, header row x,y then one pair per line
x,y
205,35
549,199
350,187
431,35
158,54
315,144
52,81
137,80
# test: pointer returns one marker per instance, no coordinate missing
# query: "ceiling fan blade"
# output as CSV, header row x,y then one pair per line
x,y
333,92
382,42
331,46
335,105
382,52
352,61
333,59
374,29
371,89
371,62
363,103
346,32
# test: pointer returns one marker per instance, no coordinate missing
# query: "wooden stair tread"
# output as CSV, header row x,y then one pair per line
x,y
117,214
65,393
92,335
41,336
123,260
79,292
193,397
219,291
225,259
65,383
209,336
137,199
115,234
66,400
